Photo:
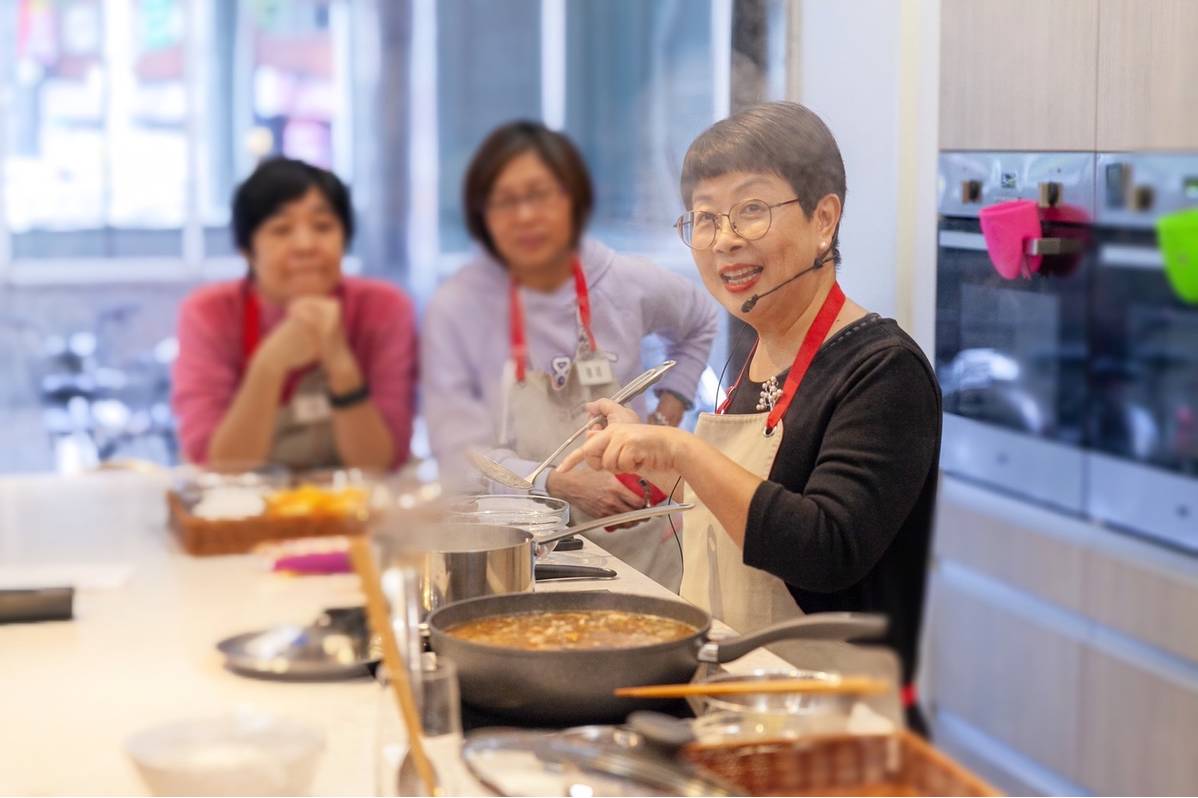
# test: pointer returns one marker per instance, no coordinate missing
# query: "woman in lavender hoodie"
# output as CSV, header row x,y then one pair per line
x,y
544,320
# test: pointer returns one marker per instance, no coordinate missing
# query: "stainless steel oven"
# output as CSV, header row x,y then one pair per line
x,y
1011,353
1143,419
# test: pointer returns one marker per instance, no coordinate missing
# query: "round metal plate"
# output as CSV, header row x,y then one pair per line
x,y
299,652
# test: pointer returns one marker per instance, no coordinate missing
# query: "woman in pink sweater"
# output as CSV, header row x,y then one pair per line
x,y
296,364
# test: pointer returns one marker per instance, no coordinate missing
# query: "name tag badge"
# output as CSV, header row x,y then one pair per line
x,y
309,408
594,370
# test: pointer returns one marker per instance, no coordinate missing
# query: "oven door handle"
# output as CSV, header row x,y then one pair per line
x,y
1052,246
976,242
1128,256
959,239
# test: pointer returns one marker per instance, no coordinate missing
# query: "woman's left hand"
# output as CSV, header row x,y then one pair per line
x,y
669,409
630,448
323,317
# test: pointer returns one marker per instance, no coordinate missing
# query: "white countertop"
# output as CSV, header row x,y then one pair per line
x,y
143,652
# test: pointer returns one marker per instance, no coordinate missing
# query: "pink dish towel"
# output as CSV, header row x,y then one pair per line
x,y
1007,227
325,562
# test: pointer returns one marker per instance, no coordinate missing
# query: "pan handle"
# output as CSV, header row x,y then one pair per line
x,y
820,626
615,520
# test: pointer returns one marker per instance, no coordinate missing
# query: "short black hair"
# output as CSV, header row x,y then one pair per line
x,y
278,181
505,143
781,138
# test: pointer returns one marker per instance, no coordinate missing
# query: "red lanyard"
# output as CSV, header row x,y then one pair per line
x,y
516,319
812,341
251,322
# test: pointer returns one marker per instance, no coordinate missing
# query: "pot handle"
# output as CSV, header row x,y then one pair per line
x,y
820,626
615,520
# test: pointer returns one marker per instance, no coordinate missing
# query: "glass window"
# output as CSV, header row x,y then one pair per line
x,y
96,148
638,90
488,73
275,85
98,162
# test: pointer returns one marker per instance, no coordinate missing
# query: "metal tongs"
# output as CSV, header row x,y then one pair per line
x,y
500,473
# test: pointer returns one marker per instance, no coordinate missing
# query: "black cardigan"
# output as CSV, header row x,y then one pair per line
x,y
845,517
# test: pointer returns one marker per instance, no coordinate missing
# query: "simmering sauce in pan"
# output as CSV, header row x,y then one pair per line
x,y
575,629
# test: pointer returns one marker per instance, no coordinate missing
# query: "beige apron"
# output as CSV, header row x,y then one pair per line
x,y
716,578
538,415
304,427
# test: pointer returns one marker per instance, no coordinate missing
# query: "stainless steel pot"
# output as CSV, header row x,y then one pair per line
x,y
464,561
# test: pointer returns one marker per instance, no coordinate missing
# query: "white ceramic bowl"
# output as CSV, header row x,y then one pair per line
x,y
246,753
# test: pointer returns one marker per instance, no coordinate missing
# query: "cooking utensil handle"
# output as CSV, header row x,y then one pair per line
x,y
548,461
615,520
821,626
545,571
642,383
626,394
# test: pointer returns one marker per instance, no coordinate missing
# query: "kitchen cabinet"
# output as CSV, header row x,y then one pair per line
x,y
1059,655
1148,75
1005,671
1139,723
1018,74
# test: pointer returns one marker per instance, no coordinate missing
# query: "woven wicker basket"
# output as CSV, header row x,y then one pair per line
x,y
898,764
202,537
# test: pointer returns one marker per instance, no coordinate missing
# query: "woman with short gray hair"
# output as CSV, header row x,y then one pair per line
x,y
816,478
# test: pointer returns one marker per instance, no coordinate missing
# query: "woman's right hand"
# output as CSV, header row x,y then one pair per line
x,y
596,493
293,343
612,412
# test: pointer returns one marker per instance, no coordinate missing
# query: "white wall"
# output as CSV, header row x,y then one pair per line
x,y
869,68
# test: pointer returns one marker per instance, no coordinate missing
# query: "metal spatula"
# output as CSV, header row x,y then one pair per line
x,y
505,476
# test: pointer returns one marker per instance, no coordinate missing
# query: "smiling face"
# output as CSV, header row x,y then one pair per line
x,y
297,251
528,214
733,268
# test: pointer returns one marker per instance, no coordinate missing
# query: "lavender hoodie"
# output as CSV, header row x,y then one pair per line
x,y
465,344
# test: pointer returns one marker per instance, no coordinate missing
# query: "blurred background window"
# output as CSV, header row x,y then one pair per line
x,y
97,145
126,124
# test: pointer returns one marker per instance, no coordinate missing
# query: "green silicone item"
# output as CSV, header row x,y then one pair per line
x,y
1178,237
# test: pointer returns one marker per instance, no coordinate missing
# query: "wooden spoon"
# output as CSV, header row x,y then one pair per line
x,y
849,685
380,622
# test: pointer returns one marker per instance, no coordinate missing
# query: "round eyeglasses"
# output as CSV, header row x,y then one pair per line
x,y
750,219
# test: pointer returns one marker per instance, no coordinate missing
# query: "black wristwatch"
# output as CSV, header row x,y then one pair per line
x,y
341,401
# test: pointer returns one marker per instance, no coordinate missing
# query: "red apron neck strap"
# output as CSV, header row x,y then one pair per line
x,y
516,325
518,338
584,303
723,408
817,333
251,320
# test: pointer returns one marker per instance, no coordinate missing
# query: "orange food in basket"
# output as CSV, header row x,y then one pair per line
x,y
314,500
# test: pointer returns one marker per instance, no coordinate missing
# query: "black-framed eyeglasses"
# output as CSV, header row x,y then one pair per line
x,y
750,219
538,199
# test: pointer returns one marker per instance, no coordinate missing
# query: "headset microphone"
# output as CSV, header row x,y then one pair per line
x,y
751,302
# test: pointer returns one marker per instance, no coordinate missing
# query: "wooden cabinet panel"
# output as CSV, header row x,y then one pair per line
x,y
1138,728
1018,74
1148,75
1006,674
1046,565
1153,602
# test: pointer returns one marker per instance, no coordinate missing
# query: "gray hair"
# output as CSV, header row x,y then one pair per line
x,y
781,138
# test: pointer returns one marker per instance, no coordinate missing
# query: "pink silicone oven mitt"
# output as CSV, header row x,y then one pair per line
x,y
1007,227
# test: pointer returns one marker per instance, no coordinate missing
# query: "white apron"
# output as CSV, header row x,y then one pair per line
x,y
303,434
542,410
716,578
